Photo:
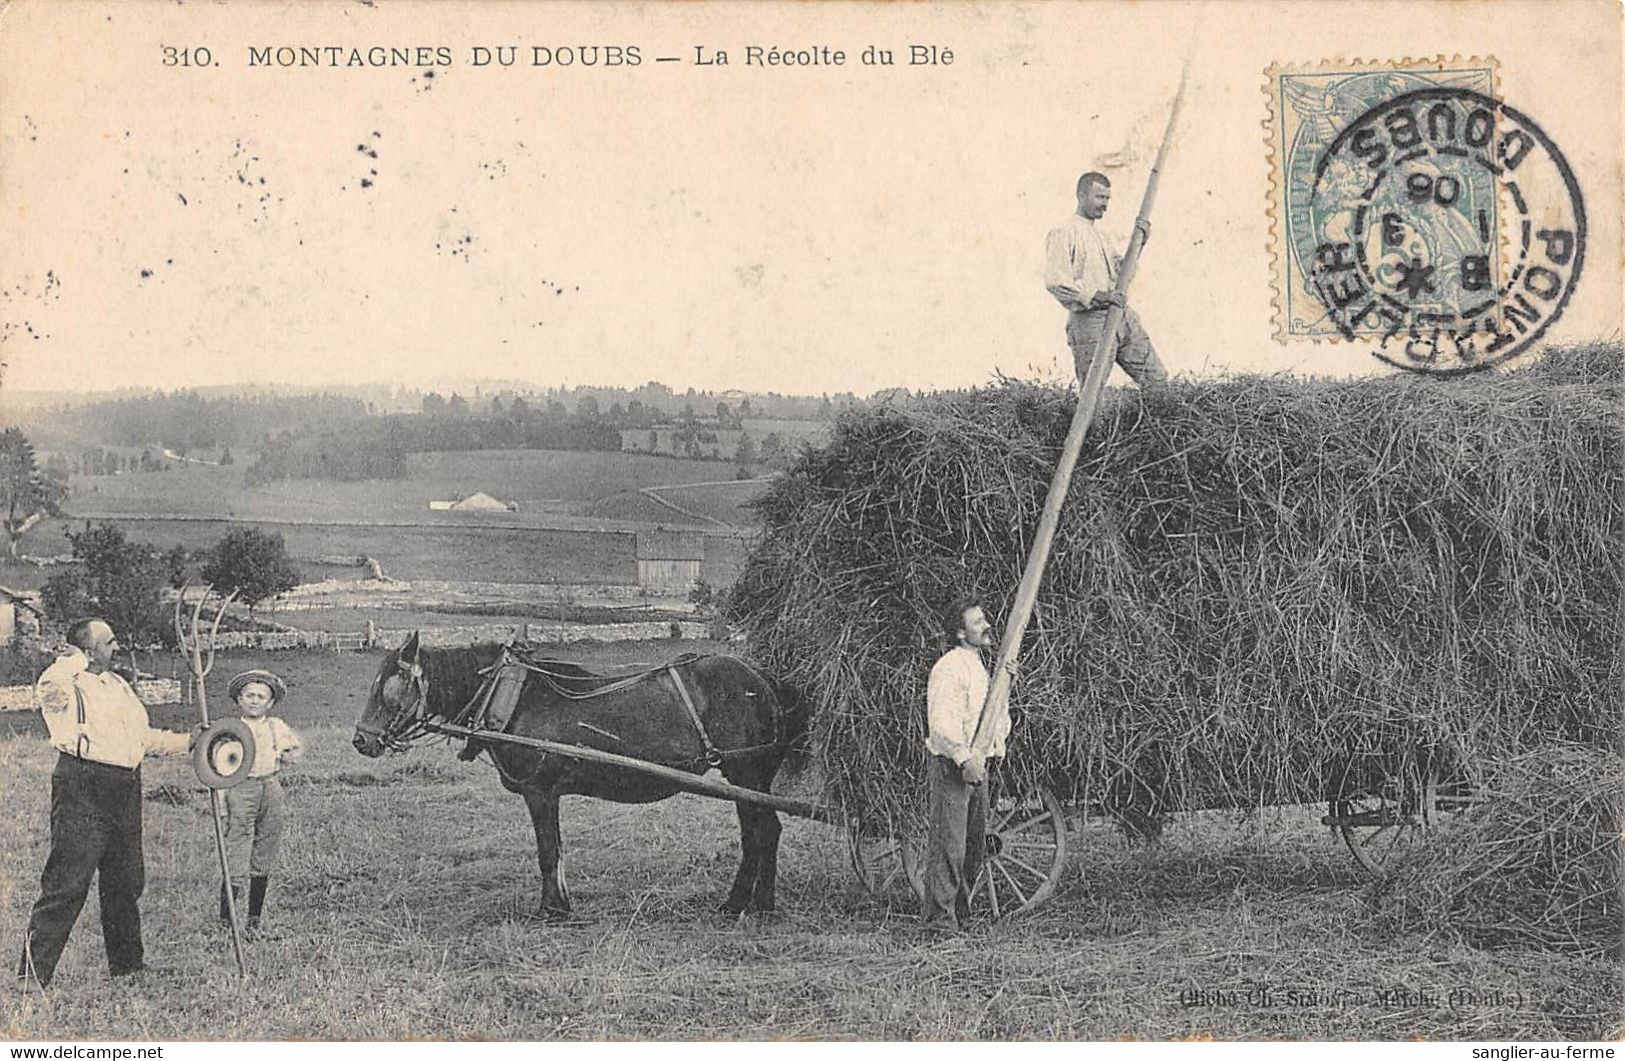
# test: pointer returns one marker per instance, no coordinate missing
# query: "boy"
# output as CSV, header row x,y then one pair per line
x,y
255,809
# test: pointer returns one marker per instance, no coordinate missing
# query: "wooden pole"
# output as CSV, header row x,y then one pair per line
x,y
998,692
704,786
217,798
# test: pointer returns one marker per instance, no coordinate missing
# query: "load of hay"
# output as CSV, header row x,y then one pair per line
x,y
1262,590
1535,860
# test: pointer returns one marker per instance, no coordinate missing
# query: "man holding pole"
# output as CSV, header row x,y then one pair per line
x,y
1080,270
958,772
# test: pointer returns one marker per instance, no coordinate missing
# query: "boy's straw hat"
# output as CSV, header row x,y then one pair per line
x,y
265,677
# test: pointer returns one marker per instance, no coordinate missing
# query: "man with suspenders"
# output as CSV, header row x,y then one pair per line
x,y
101,731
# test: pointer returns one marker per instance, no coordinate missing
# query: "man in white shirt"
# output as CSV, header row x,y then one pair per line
x,y
1080,270
101,730
958,770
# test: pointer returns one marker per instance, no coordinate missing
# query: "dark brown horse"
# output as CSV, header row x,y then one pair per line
x,y
746,723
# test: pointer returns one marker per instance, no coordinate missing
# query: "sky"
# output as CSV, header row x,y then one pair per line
x,y
793,229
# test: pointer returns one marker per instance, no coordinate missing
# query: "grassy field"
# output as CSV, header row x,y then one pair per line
x,y
726,502
542,482
404,911
550,487
723,502
355,619
447,553
794,432
437,553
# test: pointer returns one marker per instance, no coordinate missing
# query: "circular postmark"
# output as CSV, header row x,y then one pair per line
x,y
1452,231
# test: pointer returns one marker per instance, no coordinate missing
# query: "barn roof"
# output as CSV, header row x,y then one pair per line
x,y
479,500
670,545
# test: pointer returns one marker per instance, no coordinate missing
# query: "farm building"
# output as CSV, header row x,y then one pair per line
x,y
476,502
669,561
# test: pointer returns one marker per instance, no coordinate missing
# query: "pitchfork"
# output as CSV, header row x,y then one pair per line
x,y
217,798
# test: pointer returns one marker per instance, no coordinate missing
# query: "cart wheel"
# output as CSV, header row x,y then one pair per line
x,y
1024,854
1380,821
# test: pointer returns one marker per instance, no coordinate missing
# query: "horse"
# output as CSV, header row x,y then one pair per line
x,y
693,714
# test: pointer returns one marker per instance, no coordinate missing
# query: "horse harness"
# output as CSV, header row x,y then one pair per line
x,y
492,707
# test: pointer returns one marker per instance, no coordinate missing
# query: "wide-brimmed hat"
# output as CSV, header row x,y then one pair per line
x,y
248,677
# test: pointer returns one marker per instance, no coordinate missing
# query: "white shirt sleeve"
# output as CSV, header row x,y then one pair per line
x,y
166,741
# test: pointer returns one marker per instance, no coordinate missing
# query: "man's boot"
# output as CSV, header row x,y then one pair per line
x,y
256,902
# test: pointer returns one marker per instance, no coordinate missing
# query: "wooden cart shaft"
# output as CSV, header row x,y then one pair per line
x,y
695,783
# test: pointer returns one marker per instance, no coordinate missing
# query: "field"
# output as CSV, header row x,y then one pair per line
x,y
460,554
701,505
427,552
543,483
727,502
496,614
576,521
403,913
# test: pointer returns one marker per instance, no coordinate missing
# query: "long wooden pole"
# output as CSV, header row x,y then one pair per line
x,y
217,798
998,692
704,786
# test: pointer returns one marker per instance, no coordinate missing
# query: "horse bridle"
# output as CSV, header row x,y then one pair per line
x,y
403,726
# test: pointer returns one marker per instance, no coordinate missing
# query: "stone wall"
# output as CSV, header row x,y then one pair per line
x,y
153,691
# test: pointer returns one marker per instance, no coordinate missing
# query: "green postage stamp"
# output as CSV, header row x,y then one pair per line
x,y
1416,213
1408,204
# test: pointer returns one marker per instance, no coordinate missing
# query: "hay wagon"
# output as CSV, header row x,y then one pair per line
x,y
1377,812
1378,808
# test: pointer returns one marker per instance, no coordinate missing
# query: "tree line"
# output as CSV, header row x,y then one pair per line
x,y
186,421
376,448
343,437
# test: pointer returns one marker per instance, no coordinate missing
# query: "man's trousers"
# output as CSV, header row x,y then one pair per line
x,y
954,847
95,831
1134,350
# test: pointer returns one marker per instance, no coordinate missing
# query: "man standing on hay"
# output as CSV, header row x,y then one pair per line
x,y
1080,270
958,771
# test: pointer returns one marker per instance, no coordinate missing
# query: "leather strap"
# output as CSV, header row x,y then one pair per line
x,y
83,742
712,756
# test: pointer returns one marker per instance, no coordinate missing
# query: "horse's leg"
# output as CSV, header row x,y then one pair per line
x,y
740,895
767,859
759,831
544,816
